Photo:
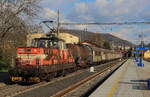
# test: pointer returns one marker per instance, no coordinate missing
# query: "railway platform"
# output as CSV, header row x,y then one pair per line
x,y
128,81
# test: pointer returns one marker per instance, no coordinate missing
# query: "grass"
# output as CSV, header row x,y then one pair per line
x,y
3,70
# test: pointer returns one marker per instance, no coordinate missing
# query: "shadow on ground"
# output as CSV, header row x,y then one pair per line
x,y
140,87
141,84
137,84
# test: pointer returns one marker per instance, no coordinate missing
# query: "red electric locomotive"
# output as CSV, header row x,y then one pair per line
x,y
49,57
46,58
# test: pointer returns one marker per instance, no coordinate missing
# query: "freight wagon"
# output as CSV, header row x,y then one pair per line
x,y
87,54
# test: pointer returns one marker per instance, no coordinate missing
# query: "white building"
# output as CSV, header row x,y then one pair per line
x,y
69,38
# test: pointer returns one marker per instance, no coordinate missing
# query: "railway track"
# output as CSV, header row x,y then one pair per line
x,y
10,90
54,87
16,89
66,91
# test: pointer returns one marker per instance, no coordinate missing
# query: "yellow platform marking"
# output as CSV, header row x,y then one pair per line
x,y
116,85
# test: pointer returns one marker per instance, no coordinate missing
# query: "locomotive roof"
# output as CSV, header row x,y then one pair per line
x,y
49,38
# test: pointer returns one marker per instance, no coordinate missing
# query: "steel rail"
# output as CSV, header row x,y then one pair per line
x,y
73,87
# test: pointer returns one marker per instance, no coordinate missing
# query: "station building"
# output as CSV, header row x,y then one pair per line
x,y
67,37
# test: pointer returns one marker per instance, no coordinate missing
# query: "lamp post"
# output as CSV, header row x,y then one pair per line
x,y
141,64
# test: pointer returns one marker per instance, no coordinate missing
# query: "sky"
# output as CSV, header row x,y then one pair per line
x,y
102,11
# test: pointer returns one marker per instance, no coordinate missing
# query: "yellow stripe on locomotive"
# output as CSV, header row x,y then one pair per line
x,y
16,79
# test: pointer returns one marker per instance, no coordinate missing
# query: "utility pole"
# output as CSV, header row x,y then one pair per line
x,y
142,43
142,39
58,22
83,34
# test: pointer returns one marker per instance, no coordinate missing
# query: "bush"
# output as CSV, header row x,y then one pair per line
x,y
106,45
4,63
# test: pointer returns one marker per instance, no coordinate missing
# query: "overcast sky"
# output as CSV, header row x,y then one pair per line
x,y
102,11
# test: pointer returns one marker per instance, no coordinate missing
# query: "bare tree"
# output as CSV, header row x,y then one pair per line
x,y
10,9
13,28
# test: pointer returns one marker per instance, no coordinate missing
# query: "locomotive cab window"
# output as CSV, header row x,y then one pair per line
x,y
52,43
41,43
45,43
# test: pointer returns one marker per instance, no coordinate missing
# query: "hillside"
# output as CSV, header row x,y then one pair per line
x,y
95,38
115,40
98,38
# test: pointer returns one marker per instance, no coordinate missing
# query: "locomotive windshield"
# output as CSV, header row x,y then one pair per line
x,y
45,43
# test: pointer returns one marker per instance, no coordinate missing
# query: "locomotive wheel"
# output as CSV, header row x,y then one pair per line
x,y
75,69
64,73
71,70
60,73
43,77
50,76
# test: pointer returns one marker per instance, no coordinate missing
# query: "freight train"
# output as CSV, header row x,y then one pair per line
x,y
49,57
90,54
